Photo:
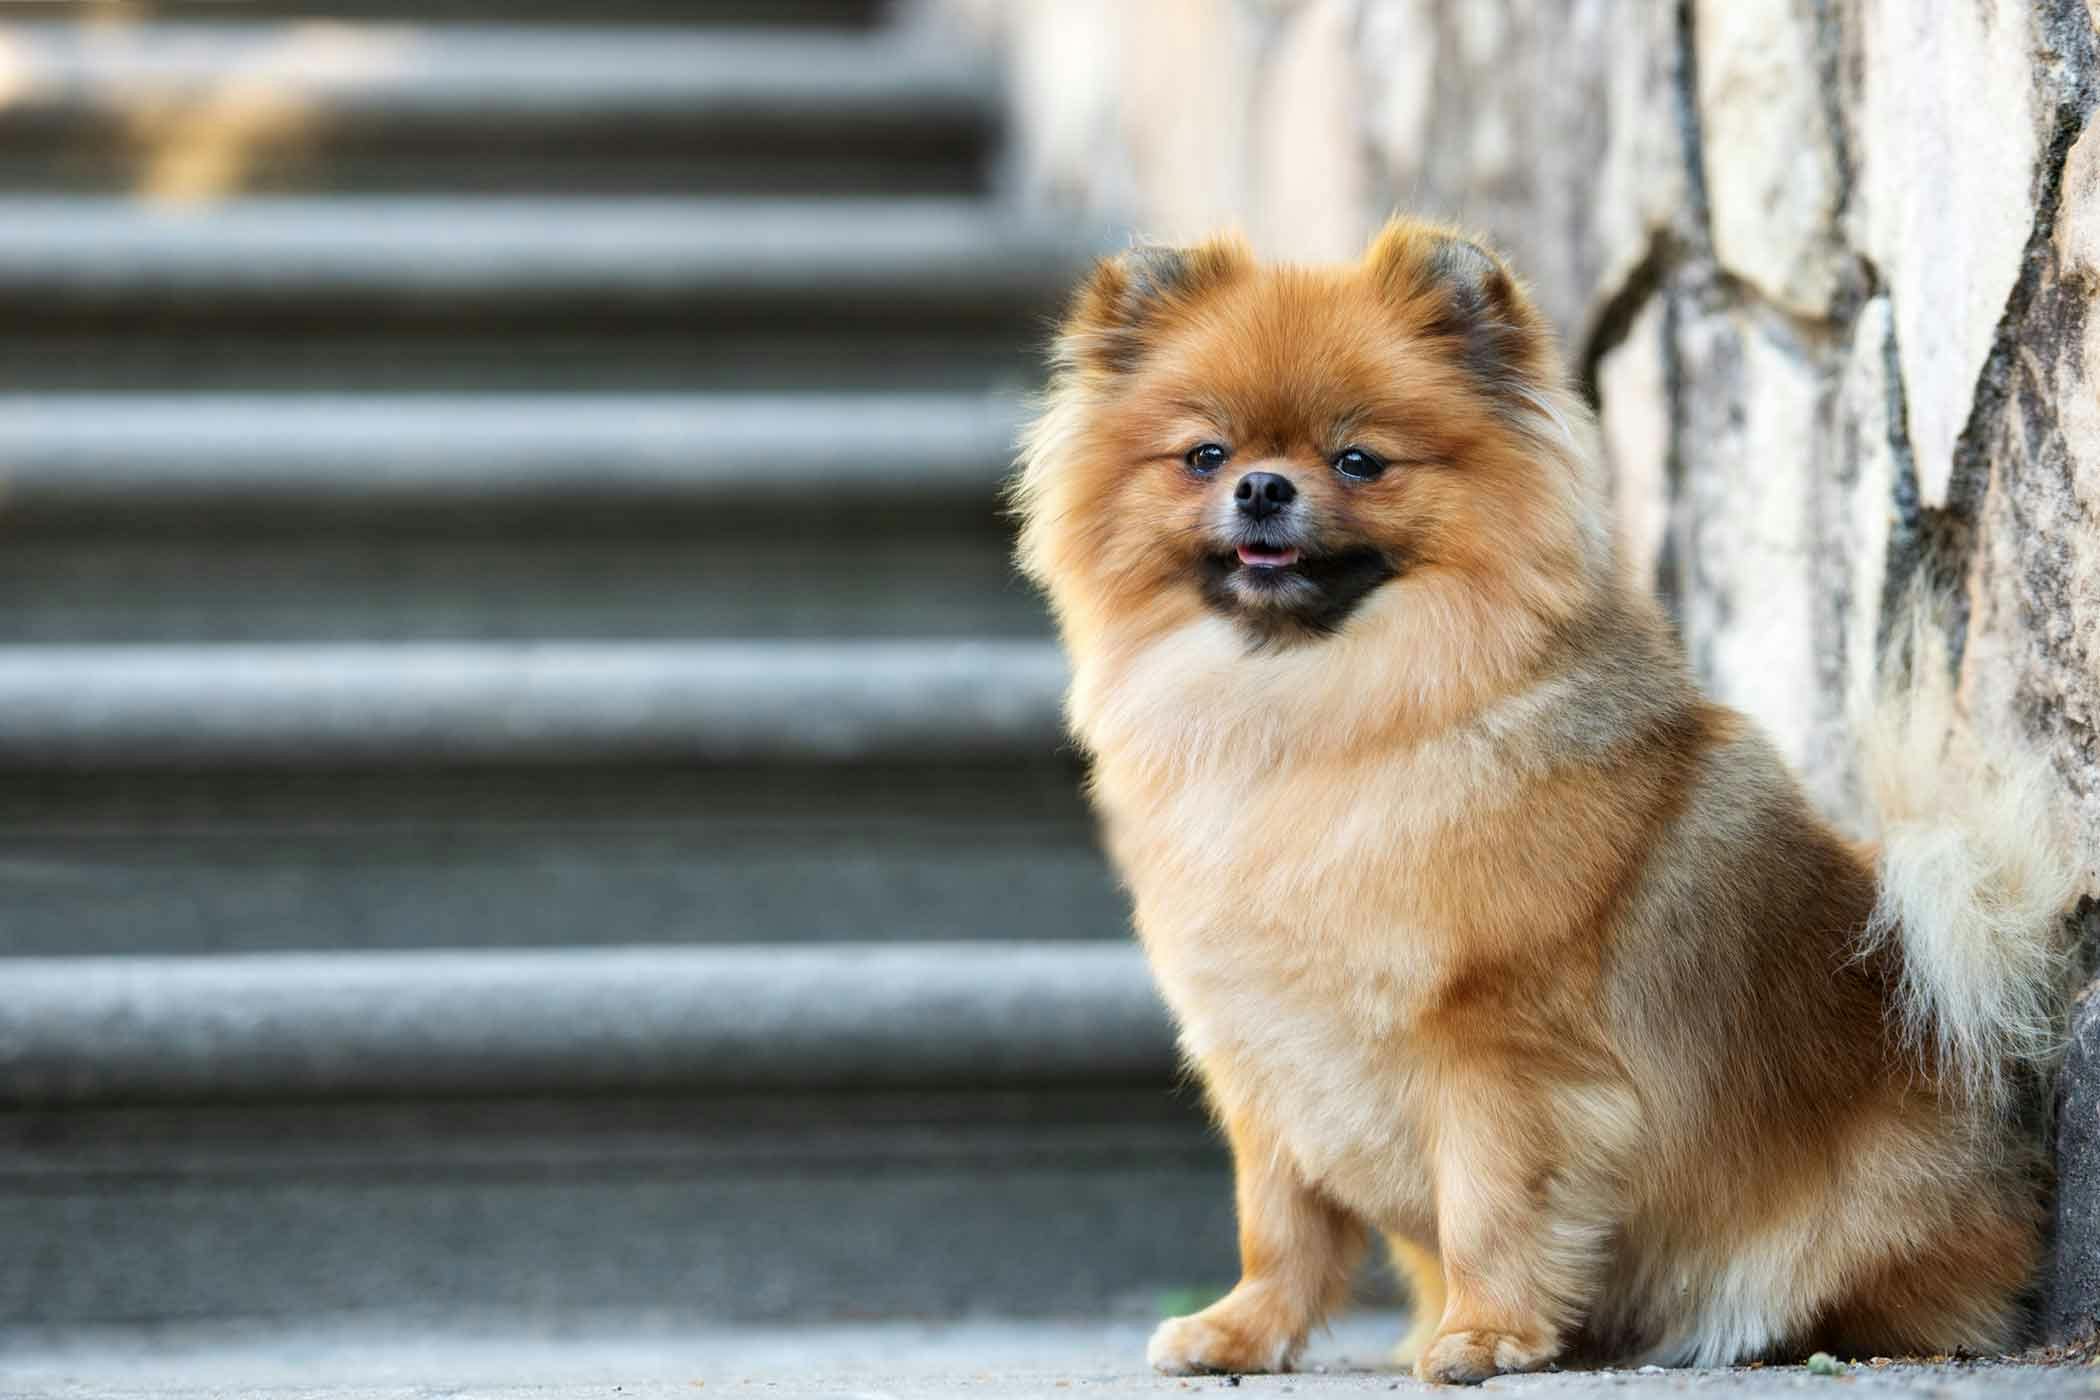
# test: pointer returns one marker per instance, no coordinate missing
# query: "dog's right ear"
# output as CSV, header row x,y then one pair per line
x,y
1116,311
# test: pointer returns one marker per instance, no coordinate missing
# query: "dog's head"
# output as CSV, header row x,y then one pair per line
x,y
1283,446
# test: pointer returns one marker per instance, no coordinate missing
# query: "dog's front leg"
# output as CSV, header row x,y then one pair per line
x,y
1519,1234
1298,1252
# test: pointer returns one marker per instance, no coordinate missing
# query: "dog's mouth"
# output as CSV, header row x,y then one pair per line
x,y
1284,590
1258,564
1263,556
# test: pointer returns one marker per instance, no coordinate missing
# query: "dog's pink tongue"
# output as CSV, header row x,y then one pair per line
x,y
1267,558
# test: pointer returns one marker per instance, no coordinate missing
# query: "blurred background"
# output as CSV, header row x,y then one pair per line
x,y
533,794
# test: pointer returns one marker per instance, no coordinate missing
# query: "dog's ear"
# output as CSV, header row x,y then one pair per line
x,y
1118,309
1465,297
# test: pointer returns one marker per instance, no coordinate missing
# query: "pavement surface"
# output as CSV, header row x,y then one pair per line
x,y
393,1360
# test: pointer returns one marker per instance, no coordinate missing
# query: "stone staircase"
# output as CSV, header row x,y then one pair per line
x,y
528,785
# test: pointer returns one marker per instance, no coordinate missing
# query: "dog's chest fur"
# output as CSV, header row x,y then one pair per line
x,y
1305,890
1296,920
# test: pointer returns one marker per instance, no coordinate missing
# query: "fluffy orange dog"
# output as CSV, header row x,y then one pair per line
x,y
1484,930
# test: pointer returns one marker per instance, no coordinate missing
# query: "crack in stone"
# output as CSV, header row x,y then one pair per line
x,y
1669,556
1856,284
1807,336
1615,319
1691,139
1829,52
1905,554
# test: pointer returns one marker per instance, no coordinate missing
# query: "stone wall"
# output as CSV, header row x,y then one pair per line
x,y
1825,265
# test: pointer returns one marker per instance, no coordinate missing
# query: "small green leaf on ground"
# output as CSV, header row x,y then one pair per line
x,y
1824,1364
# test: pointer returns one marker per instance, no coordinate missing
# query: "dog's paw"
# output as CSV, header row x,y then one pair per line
x,y
1468,1358
1230,1337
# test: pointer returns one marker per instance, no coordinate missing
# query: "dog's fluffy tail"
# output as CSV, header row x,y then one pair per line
x,y
1974,883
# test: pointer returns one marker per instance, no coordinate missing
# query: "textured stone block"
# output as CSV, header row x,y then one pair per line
x,y
1769,150
1750,432
1947,146
1507,116
2033,535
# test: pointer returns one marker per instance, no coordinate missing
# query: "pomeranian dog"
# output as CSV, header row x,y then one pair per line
x,y
1482,928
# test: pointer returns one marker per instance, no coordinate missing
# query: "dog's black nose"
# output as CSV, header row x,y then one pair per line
x,y
1262,494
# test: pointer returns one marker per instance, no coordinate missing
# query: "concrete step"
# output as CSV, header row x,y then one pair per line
x,y
116,464
108,862
190,799
195,110
83,708
729,1134
705,264
735,1019
245,517
424,294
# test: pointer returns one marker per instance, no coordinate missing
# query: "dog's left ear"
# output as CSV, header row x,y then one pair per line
x,y
1119,308
1466,297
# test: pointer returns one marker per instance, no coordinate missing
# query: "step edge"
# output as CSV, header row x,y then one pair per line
x,y
380,70
261,252
134,453
74,707
737,1018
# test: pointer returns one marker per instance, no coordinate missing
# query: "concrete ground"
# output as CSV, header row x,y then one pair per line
x,y
906,1361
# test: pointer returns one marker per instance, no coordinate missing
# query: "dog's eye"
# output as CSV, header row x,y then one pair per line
x,y
1357,464
1207,458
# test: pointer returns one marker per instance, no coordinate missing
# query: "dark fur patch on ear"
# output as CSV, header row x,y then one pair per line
x,y
1154,271
1480,311
1114,311
1466,298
